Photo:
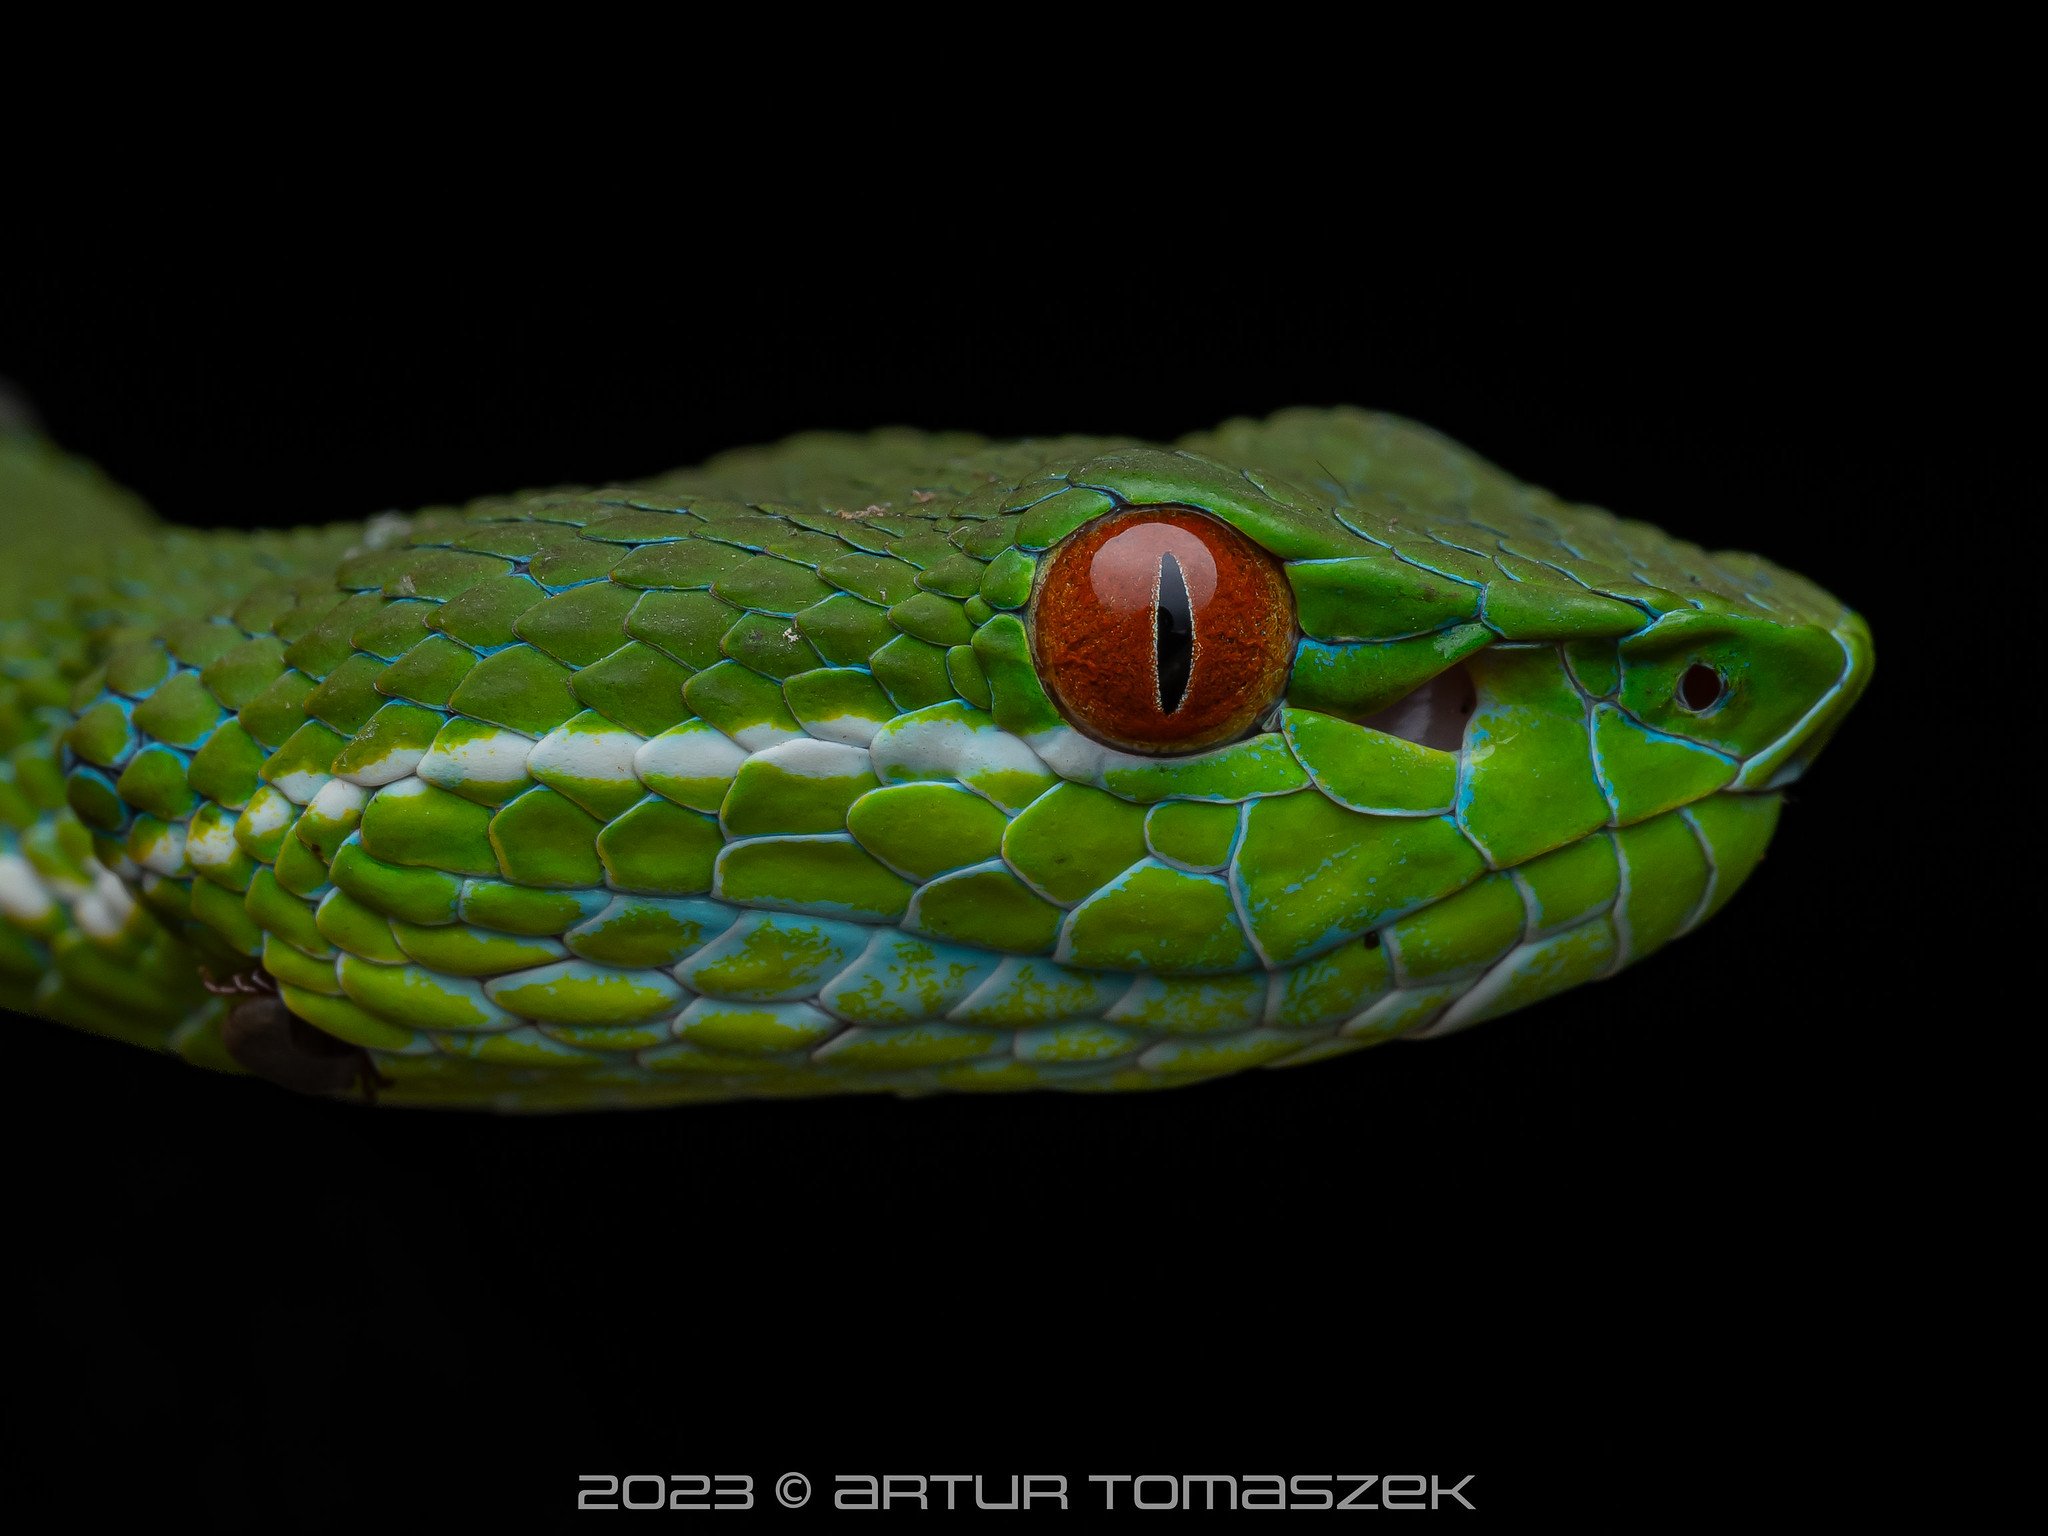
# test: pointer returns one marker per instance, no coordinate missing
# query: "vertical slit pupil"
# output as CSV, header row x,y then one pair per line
x,y
1174,644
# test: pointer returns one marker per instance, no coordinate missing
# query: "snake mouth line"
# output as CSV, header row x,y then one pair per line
x,y
1433,715
1437,713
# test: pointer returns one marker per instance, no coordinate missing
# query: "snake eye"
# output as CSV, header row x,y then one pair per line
x,y
1700,688
1160,629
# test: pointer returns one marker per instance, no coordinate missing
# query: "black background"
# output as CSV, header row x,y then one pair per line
x,y
1633,1235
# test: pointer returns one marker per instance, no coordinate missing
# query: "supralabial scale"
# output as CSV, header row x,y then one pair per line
x,y
902,762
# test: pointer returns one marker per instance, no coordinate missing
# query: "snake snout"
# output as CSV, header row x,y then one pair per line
x,y
1788,759
1809,745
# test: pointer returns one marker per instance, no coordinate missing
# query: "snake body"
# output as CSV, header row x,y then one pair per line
x,y
746,780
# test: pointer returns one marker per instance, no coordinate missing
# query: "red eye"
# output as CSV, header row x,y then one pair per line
x,y
1162,630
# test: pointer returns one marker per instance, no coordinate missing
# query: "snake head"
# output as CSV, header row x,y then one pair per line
x,y
912,762
1474,699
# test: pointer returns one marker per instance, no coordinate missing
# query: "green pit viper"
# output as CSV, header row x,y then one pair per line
x,y
790,775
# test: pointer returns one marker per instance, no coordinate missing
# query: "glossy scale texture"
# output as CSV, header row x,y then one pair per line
x,y
747,781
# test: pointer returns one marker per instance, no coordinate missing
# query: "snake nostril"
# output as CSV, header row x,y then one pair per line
x,y
1700,688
